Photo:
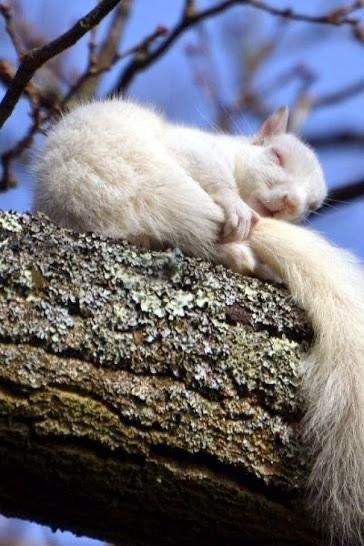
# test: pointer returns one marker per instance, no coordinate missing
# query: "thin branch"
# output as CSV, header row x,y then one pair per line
x,y
95,71
52,105
335,17
189,9
190,17
103,58
5,11
110,45
187,21
38,100
346,193
31,37
8,179
35,58
342,138
305,102
339,95
33,92
342,196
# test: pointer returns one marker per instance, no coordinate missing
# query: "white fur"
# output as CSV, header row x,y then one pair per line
x,y
329,284
121,170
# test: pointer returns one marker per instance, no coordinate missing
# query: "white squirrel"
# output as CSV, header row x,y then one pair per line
x,y
120,169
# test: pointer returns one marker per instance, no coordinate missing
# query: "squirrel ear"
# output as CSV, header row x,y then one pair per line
x,y
275,124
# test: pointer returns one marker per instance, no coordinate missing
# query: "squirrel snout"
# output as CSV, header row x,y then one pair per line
x,y
290,204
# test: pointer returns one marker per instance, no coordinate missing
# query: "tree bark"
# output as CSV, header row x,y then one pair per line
x,y
146,397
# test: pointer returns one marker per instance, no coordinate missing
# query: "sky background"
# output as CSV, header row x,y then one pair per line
x,y
331,53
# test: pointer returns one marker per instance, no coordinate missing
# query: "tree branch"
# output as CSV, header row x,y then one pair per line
x,y
53,104
94,69
5,11
341,196
339,95
336,17
103,58
146,397
35,58
346,193
345,137
191,17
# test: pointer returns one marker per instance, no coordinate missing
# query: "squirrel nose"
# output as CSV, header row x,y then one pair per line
x,y
290,204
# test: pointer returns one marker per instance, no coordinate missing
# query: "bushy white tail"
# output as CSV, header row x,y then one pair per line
x,y
329,284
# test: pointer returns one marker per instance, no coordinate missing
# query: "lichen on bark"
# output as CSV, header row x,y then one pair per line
x,y
167,383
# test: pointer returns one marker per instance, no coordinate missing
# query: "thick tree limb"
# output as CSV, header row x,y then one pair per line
x,y
146,397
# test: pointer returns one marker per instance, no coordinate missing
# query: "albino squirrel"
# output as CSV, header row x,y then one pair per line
x,y
120,169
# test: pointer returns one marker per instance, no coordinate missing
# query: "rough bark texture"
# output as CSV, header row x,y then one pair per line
x,y
145,397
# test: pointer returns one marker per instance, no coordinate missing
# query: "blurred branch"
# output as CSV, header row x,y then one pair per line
x,y
54,105
344,194
190,17
33,92
5,11
338,16
339,95
344,138
94,71
51,74
306,103
341,196
35,58
8,180
102,59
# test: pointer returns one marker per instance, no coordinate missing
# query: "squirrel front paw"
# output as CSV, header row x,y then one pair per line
x,y
239,219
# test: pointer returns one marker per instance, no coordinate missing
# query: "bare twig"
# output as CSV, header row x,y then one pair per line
x,y
342,138
95,71
189,9
190,18
35,58
54,107
339,95
102,59
341,196
344,194
31,37
305,102
8,180
336,17
110,45
38,100
5,11
31,91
